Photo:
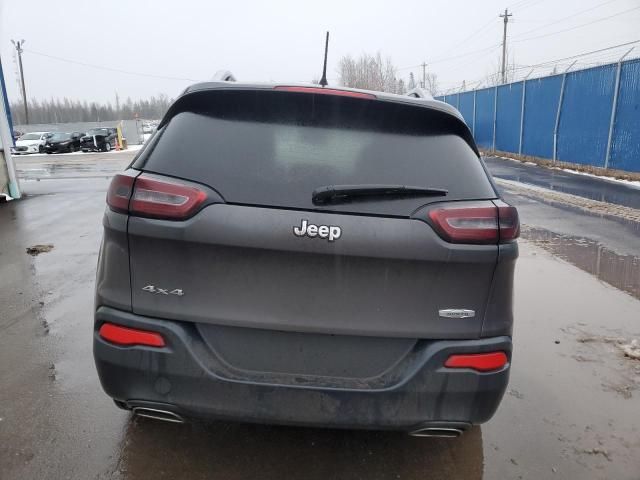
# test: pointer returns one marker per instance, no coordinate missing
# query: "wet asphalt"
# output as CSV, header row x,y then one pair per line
x,y
571,411
556,179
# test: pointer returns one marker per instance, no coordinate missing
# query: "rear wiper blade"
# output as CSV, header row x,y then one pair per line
x,y
339,193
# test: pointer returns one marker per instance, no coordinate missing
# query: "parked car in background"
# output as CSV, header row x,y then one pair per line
x,y
63,142
32,142
99,140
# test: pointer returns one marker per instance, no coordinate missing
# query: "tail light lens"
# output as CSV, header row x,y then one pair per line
x,y
119,193
482,362
488,224
154,198
126,336
509,222
165,199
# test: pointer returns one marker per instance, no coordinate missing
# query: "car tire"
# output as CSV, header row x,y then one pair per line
x,y
72,148
107,147
40,149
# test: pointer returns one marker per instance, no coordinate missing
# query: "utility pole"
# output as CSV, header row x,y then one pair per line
x,y
505,16
19,49
424,75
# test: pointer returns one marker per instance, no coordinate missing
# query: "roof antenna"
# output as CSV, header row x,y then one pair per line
x,y
323,80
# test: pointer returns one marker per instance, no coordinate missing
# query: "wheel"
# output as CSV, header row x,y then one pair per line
x,y
107,147
85,150
40,149
72,148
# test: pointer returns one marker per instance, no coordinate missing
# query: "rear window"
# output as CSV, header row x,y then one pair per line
x,y
275,148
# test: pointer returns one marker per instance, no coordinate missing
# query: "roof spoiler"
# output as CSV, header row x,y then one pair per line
x,y
419,93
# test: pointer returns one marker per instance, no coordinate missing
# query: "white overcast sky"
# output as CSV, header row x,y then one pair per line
x,y
282,41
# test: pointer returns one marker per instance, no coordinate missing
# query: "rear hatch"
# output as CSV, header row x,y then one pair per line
x,y
260,253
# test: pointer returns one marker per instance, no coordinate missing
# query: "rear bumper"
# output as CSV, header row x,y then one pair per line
x,y
179,379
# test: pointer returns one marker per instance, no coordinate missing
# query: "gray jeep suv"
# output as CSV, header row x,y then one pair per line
x,y
309,256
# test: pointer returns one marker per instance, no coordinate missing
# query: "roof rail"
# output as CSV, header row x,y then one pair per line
x,y
419,93
223,76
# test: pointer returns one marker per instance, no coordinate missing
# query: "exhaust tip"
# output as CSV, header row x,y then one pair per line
x,y
437,432
158,414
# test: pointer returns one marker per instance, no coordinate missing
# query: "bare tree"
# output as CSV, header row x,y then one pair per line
x,y
64,110
431,83
431,80
370,72
401,88
412,81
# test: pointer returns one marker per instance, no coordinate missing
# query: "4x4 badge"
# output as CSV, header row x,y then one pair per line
x,y
163,291
330,232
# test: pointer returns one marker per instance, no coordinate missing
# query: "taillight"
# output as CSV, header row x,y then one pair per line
x,y
164,199
509,222
482,362
119,193
476,224
327,91
466,224
126,336
153,197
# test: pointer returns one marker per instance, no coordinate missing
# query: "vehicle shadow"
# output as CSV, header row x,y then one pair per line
x,y
230,451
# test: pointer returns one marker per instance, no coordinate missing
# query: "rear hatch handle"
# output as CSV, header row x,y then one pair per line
x,y
342,193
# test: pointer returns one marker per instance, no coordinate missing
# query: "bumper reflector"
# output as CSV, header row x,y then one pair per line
x,y
482,362
130,336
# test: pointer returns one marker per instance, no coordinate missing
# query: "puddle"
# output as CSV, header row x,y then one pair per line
x,y
620,271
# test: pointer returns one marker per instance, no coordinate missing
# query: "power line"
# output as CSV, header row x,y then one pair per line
x,y
529,6
481,29
442,60
488,24
109,69
584,54
554,62
577,26
521,34
553,33
521,3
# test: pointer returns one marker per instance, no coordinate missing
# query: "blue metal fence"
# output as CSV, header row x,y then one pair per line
x,y
589,117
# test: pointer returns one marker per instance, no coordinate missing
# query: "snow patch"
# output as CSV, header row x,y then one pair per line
x,y
630,183
131,148
631,350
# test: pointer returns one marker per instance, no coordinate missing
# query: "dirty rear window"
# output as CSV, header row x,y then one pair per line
x,y
276,150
